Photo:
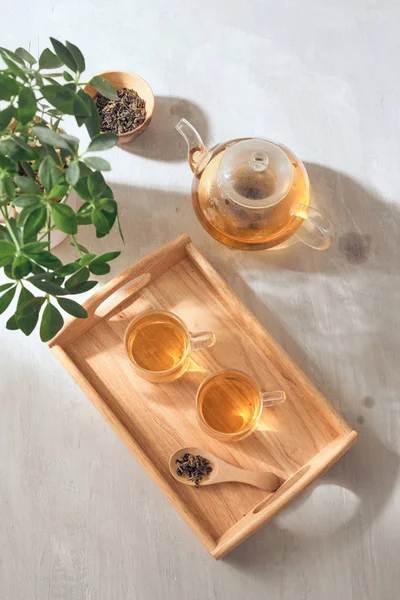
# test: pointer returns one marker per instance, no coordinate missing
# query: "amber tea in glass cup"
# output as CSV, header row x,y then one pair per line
x,y
159,343
229,404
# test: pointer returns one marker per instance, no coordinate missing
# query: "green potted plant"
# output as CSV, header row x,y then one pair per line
x,y
40,166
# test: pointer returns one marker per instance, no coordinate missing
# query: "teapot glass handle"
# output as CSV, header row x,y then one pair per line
x,y
316,231
196,148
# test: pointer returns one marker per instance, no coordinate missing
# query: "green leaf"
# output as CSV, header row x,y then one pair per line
x,y
81,188
33,247
46,259
30,305
69,268
72,307
5,299
27,314
63,98
92,122
83,287
72,175
5,286
7,269
84,214
5,117
28,169
51,323
7,249
64,218
78,56
38,270
21,267
23,201
110,216
24,214
35,222
4,235
23,144
59,190
48,173
95,162
80,108
104,87
103,141
107,204
80,277
27,185
15,69
48,286
9,189
26,105
100,222
12,324
15,229
50,137
8,87
71,140
8,165
64,54
24,297
99,269
82,248
48,60
26,56
27,324
105,258
67,76
6,52
85,260
12,148
84,169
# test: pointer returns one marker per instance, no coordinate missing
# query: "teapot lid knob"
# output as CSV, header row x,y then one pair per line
x,y
255,173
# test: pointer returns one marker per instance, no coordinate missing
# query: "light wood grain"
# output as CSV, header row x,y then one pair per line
x,y
155,420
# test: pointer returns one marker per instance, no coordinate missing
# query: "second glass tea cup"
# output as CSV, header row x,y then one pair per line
x,y
229,404
159,344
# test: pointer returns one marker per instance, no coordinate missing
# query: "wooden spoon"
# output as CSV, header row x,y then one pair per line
x,y
223,472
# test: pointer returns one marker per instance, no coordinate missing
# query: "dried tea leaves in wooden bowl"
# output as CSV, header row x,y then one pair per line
x,y
122,115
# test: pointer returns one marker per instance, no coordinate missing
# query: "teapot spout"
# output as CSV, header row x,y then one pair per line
x,y
196,148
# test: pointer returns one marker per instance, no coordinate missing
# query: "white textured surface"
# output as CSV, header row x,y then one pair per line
x,y
79,519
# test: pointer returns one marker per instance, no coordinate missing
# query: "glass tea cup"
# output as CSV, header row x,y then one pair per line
x,y
158,344
229,404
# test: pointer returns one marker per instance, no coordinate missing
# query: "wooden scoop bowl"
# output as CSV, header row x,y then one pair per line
x,y
223,472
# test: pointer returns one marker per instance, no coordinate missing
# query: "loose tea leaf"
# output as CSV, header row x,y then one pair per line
x,y
194,466
122,115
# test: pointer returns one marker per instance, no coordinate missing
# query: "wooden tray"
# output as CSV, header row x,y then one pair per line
x,y
298,439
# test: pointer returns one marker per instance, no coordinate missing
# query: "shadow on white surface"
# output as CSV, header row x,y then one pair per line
x,y
160,141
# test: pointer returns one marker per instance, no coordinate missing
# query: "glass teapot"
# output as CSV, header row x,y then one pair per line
x,y
253,193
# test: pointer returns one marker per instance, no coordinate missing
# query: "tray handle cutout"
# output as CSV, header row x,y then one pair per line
x,y
138,276
114,299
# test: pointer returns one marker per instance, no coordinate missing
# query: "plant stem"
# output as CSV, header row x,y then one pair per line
x,y
76,245
48,225
10,231
46,232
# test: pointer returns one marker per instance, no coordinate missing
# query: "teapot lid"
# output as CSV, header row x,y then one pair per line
x,y
255,173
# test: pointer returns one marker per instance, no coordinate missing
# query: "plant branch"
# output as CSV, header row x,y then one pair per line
x,y
75,243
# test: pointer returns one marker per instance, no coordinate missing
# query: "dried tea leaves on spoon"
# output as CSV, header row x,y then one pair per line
x,y
122,115
194,466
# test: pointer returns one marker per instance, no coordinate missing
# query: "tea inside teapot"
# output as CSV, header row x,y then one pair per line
x,y
252,193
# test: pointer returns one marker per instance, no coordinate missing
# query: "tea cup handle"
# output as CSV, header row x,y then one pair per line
x,y
316,230
272,398
202,340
